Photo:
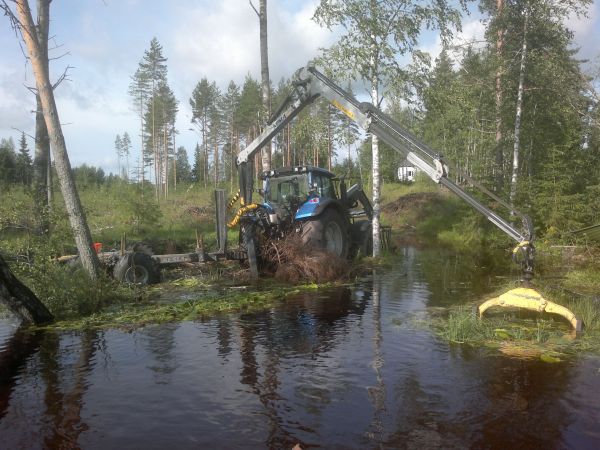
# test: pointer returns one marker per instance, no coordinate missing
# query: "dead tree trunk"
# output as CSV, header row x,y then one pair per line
x,y
264,73
83,238
41,161
20,299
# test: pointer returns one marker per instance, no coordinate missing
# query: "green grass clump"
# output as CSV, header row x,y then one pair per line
x,y
209,301
463,326
547,336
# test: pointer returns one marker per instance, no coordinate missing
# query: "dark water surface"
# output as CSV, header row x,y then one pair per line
x,y
342,368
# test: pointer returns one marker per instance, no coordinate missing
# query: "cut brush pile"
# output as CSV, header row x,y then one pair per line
x,y
293,261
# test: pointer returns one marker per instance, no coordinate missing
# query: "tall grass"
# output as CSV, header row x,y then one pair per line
x,y
463,326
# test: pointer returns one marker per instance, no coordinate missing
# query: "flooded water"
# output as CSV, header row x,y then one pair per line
x,y
342,368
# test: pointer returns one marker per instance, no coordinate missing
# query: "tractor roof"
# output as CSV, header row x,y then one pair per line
x,y
290,170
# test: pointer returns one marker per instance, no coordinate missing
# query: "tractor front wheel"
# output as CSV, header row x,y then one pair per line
x,y
328,231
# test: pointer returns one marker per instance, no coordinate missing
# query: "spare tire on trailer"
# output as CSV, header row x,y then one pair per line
x,y
137,268
327,231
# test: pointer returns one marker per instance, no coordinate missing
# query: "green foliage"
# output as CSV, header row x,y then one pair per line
x,y
183,170
558,148
376,33
7,163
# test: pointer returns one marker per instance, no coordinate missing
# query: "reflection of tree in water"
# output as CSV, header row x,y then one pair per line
x,y
64,375
377,392
66,385
224,336
13,358
304,326
160,342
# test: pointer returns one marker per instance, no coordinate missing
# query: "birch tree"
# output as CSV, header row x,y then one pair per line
x,y
23,21
374,35
519,112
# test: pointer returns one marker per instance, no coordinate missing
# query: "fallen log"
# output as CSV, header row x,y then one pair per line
x,y
20,299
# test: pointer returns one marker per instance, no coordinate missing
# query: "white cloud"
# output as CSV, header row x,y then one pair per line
x,y
223,43
472,33
17,104
586,32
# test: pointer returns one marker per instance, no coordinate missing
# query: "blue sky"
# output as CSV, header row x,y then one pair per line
x,y
105,40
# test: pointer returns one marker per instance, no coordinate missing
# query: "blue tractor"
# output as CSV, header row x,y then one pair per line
x,y
315,203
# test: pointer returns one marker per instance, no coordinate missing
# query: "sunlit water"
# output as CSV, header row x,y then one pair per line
x,y
342,368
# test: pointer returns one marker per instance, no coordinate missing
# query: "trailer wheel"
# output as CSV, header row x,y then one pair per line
x,y
328,231
137,268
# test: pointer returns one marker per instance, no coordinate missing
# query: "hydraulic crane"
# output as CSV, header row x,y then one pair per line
x,y
308,84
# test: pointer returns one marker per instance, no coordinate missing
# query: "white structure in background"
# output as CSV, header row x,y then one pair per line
x,y
406,171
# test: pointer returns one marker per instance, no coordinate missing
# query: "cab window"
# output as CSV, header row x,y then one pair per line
x,y
322,185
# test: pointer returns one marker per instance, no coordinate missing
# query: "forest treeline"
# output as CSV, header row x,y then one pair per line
x,y
518,113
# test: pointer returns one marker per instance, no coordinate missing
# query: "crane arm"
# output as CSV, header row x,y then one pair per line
x,y
308,84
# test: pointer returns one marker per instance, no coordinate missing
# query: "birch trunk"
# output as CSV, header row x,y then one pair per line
x,y
75,212
375,150
518,114
499,156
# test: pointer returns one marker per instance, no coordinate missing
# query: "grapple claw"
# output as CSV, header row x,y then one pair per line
x,y
532,300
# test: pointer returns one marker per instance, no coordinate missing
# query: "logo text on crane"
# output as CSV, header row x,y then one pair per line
x,y
346,111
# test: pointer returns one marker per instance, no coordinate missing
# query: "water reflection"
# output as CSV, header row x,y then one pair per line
x,y
65,388
14,354
160,344
337,368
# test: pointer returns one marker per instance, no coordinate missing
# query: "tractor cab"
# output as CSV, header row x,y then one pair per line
x,y
297,191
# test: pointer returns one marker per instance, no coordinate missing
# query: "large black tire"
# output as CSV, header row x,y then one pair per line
x,y
328,231
137,268
361,233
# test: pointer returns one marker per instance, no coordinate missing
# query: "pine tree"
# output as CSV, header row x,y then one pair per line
x,y
119,152
126,152
139,90
153,73
199,173
231,105
204,103
184,172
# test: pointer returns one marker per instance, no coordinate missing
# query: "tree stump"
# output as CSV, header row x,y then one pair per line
x,y
20,299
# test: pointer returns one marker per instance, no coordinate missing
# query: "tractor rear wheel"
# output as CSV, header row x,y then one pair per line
x,y
362,238
328,231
